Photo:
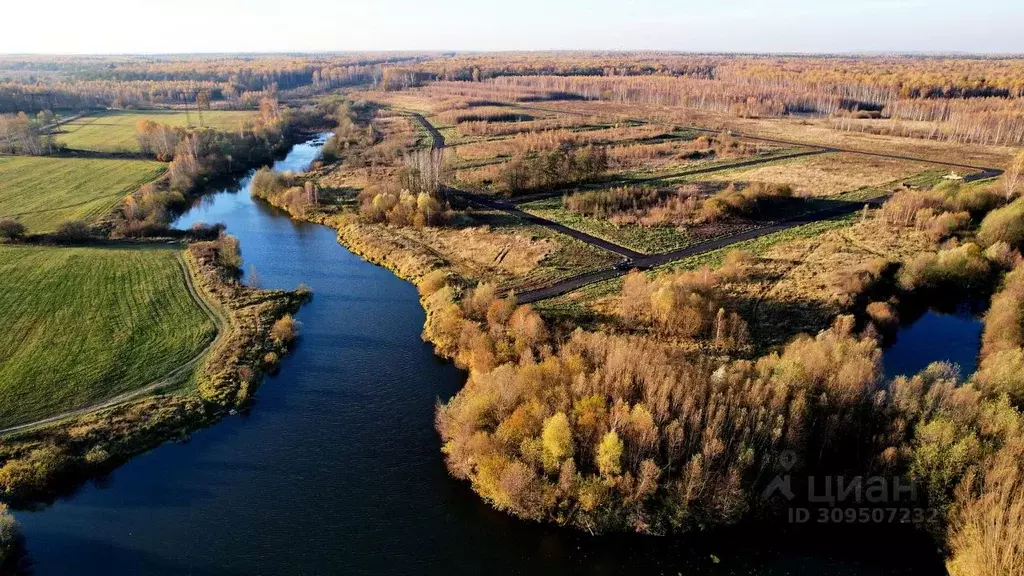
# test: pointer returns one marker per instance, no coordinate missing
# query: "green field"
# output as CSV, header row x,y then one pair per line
x,y
81,325
43,192
115,131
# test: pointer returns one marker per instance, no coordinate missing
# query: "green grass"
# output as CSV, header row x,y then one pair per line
x,y
81,325
115,131
644,239
43,192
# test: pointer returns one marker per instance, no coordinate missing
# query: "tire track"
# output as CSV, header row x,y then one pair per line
x,y
221,324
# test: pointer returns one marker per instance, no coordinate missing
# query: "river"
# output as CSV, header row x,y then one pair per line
x,y
336,468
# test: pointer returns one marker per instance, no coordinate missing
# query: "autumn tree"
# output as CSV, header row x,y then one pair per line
x,y
557,441
609,454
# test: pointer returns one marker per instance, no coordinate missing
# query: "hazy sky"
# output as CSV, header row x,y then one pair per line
x,y
106,26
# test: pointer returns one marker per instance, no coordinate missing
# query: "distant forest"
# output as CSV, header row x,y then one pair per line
x,y
961,99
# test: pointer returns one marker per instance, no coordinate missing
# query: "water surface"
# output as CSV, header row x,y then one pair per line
x,y
953,337
337,468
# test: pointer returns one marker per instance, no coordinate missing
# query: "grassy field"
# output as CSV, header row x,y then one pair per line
x,y
44,192
115,131
824,175
644,239
84,324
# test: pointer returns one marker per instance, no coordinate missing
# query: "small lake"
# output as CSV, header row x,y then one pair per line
x,y
337,468
936,336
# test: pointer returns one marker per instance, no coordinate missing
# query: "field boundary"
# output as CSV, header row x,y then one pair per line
x,y
222,324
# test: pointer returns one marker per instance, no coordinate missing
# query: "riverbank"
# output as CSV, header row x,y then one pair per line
x,y
41,462
44,462
501,485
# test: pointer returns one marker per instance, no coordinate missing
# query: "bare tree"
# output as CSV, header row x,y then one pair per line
x,y
202,103
1012,176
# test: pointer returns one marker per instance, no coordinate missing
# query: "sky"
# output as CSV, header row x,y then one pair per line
x,y
189,26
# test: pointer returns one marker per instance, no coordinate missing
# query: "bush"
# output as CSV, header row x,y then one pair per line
x,y
628,435
402,208
751,200
553,168
986,532
685,305
883,314
284,330
35,473
1005,224
73,231
11,229
228,253
432,282
962,268
1003,373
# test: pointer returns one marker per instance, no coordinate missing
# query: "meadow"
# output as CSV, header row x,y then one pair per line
x,y
643,239
82,325
114,131
43,192
826,174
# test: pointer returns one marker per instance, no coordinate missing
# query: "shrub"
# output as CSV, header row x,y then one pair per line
x,y
628,434
751,200
1003,373
963,267
1005,224
1002,255
228,253
1004,321
284,330
73,231
685,305
986,531
432,282
35,473
11,229
554,168
883,314
402,208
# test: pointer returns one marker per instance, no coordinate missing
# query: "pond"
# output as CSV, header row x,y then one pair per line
x,y
337,468
935,336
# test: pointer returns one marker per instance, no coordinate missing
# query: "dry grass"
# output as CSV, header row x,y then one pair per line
x,y
825,175
801,286
483,252
808,131
487,247
546,139
798,285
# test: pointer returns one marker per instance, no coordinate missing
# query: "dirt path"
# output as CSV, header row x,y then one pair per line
x,y
577,282
221,323
635,260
